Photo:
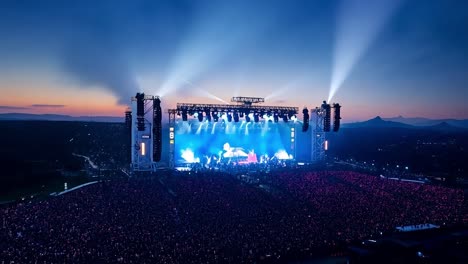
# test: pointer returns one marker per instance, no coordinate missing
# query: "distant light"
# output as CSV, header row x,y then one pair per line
x,y
326,144
143,148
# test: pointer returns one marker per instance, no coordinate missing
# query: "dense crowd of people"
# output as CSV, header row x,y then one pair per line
x,y
213,217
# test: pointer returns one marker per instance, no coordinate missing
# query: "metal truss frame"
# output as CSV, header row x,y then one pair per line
x,y
318,135
194,108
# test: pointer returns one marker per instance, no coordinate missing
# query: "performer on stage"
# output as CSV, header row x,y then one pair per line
x,y
252,157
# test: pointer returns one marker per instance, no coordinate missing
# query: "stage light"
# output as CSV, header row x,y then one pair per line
x,y
208,115
224,117
143,149
305,124
215,116
248,117
294,118
189,156
200,116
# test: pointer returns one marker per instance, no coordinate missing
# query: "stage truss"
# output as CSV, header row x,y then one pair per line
x,y
144,141
318,135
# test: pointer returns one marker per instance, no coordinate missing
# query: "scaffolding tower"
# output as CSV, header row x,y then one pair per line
x,y
318,135
145,132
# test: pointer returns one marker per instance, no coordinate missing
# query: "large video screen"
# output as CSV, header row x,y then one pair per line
x,y
237,143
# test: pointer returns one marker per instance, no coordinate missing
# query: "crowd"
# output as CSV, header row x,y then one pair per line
x,y
213,217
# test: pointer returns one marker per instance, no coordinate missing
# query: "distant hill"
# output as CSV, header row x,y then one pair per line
x,y
52,117
377,122
419,121
446,127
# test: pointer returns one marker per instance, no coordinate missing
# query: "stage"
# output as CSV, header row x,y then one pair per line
x,y
219,143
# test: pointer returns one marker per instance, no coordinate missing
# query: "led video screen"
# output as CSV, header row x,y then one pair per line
x,y
237,143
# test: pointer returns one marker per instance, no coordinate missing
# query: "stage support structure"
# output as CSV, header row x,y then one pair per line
x,y
172,122
318,135
321,119
146,130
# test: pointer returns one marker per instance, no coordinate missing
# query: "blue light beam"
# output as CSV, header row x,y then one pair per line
x,y
359,23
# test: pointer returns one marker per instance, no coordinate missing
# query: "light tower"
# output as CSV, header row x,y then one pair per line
x,y
322,125
318,134
146,132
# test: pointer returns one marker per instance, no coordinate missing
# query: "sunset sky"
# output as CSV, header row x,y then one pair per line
x,y
387,58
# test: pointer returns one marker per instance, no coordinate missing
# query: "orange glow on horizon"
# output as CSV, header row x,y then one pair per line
x,y
93,101
76,102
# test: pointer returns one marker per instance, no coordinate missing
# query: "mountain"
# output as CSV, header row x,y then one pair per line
x,y
52,117
419,121
376,122
445,127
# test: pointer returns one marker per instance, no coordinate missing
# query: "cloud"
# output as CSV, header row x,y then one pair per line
x,y
8,107
48,105
98,58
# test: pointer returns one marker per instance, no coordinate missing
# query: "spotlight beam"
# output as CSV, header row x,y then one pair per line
x,y
359,23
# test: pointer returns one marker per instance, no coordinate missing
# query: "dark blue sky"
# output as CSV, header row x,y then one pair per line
x,y
381,57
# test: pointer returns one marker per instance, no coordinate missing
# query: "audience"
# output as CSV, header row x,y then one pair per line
x,y
212,217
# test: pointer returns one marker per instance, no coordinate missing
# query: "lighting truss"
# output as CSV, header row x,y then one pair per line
x,y
246,109
146,97
247,100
